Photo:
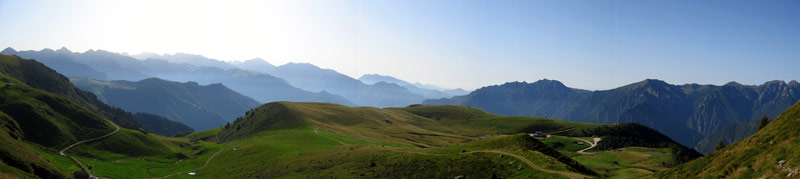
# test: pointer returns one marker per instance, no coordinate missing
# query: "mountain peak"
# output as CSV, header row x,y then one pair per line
x,y
256,60
793,83
545,81
151,80
775,82
307,66
651,82
375,78
63,50
733,83
9,51
256,64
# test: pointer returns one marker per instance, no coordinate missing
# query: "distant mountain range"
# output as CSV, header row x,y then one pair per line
x,y
427,91
255,78
686,113
200,107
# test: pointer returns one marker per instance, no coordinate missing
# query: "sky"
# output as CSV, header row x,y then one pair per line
x,y
587,44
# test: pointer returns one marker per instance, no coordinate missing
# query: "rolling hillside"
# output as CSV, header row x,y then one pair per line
x,y
419,129
25,113
38,129
769,153
41,77
728,135
201,107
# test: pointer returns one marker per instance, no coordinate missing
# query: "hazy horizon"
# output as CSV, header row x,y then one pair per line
x,y
589,45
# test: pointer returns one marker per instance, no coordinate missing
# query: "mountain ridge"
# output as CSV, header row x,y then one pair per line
x,y
201,107
684,112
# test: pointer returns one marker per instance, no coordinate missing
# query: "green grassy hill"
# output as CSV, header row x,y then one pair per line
x,y
39,76
35,111
754,157
340,137
17,159
35,125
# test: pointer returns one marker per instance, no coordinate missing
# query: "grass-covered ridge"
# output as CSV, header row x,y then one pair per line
x,y
754,157
274,131
35,125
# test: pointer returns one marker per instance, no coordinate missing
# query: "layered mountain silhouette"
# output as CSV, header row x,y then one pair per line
x,y
686,113
427,91
313,78
256,64
200,107
256,78
60,62
113,66
39,76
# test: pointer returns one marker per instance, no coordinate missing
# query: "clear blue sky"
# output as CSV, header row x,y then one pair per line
x,y
587,44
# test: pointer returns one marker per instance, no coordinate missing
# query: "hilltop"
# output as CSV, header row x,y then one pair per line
x,y
426,130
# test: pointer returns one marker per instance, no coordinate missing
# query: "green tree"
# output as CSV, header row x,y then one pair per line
x,y
720,145
764,122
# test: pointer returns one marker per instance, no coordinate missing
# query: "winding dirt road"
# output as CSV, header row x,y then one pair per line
x,y
84,141
594,144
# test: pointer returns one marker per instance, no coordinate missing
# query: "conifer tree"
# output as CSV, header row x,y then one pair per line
x,y
720,145
764,122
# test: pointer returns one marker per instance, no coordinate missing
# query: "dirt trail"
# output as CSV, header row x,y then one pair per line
x,y
329,138
523,159
563,130
594,144
84,141
214,155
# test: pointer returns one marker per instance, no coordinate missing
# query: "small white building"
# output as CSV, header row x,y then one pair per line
x,y
192,173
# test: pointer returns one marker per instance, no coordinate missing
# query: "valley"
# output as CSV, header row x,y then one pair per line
x,y
436,89
305,139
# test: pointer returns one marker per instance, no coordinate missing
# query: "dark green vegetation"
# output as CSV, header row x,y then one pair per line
x,y
686,113
37,124
630,162
763,122
634,135
160,125
319,139
38,76
200,107
25,114
720,146
757,156
728,135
